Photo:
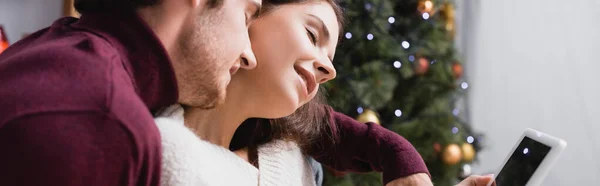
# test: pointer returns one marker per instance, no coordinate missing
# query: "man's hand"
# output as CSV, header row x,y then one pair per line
x,y
420,179
477,181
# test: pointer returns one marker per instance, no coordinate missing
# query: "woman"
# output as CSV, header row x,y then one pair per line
x,y
289,74
294,42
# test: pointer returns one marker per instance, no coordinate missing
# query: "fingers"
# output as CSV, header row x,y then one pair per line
x,y
487,180
476,180
490,179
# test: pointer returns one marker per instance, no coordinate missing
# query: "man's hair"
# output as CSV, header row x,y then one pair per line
x,y
88,6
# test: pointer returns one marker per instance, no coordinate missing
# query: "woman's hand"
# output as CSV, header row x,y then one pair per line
x,y
420,179
423,180
477,181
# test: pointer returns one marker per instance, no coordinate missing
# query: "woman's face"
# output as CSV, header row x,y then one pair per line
x,y
294,47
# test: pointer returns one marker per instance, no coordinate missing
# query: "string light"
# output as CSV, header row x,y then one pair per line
x,y
398,113
397,64
425,15
370,36
368,6
359,110
455,111
348,35
411,58
464,85
454,130
467,169
470,139
391,20
405,44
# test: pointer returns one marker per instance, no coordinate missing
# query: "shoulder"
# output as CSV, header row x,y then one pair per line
x,y
179,141
67,49
55,73
189,160
175,135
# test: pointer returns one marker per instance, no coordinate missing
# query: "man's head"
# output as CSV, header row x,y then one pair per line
x,y
207,40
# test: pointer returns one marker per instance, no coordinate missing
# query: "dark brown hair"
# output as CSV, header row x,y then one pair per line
x,y
311,122
307,125
270,5
88,6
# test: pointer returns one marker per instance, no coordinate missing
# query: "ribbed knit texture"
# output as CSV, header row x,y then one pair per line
x,y
282,163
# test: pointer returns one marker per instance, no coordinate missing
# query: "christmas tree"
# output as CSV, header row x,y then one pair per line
x,y
397,66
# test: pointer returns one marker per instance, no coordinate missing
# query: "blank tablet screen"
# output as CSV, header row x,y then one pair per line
x,y
522,163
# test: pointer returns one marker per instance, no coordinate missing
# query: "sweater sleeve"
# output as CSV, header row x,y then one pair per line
x,y
368,147
72,149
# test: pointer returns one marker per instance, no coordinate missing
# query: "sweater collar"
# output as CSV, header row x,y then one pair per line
x,y
143,55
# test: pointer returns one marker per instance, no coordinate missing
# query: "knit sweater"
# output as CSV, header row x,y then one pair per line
x,y
189,160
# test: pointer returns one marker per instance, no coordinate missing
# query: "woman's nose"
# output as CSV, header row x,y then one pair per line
x,y
325,71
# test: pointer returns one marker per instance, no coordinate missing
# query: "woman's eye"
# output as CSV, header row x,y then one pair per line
x,y
313,37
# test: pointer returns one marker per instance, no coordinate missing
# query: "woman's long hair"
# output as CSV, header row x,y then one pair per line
x,y
308,125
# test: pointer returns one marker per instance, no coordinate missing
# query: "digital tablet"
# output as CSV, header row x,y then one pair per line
x,y
530,160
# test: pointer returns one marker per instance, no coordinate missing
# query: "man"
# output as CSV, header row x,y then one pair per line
x,y
77,97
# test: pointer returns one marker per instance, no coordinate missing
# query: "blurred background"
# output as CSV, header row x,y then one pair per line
x,y
460,79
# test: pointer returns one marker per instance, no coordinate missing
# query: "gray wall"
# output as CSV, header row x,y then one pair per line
x,y
27,16
535,63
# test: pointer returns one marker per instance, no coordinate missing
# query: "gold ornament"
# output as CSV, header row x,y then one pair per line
x,y
452,154
425,6
368,116
448,14
468,152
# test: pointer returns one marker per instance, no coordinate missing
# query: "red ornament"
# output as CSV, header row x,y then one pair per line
x,y
437,147
3,40
422,66
457,70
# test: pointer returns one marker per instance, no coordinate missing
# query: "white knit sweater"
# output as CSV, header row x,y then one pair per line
x,y
190,161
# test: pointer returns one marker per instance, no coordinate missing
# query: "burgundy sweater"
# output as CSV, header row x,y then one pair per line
x,y
76,107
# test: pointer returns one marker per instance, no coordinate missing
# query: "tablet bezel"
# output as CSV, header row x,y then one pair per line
x,y
557,146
